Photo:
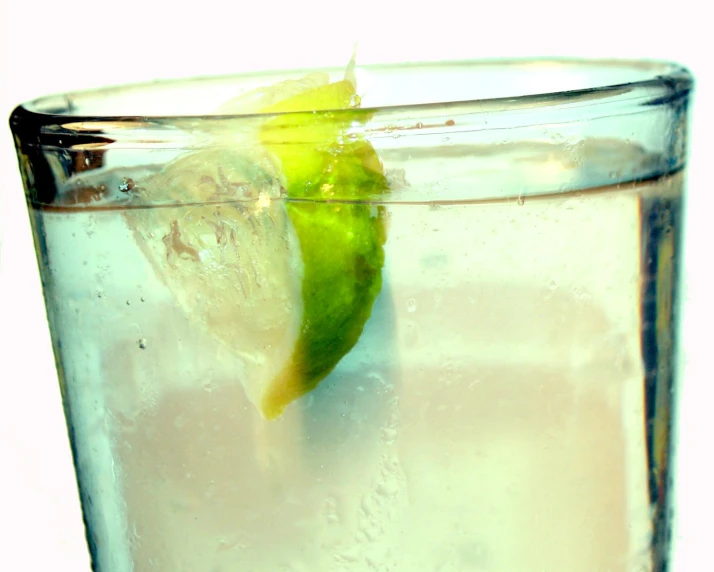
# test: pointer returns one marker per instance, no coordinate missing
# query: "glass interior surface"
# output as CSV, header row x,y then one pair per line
x,y
389,318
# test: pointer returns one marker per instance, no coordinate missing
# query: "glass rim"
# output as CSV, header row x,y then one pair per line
x,y
667,81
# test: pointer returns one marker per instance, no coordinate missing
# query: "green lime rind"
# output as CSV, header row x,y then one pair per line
x,y
343,255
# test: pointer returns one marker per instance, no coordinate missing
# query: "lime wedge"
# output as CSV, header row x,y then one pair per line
x,y
279,275
341,243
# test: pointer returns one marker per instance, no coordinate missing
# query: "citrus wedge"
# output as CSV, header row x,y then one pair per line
x,y
281,276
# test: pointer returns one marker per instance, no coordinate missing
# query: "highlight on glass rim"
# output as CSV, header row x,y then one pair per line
x,y
394,318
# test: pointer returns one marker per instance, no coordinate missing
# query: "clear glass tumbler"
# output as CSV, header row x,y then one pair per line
x,y
399,318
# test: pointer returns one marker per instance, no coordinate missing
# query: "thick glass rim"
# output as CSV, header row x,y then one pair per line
x,y
632,129
653,83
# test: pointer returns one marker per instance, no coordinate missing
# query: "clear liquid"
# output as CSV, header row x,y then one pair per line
x,y
506,408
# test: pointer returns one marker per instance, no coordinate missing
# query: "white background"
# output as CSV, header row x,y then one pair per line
x,y
50,46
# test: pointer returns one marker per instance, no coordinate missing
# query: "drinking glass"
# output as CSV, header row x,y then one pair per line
x,y
430,326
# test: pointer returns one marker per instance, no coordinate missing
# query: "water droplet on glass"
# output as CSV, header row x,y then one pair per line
x,y
128,303
419,125
126,185
355,100
387,488
376,379
521,200
389,435
411,305
141,342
